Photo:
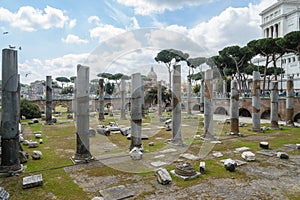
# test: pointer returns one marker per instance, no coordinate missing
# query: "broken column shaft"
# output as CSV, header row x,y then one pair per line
x,y
234,108
202,95
208,103
256,102
136,111
176,103
10,122
48,100
101,99
159,98
82,115
122,90
274,105
289,101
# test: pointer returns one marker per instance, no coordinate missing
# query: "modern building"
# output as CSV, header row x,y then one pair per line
x,y
278,20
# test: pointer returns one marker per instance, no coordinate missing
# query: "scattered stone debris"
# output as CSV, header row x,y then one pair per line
x,y
113,126
136,153
163,176
202,168
282,155
36,155
38,136
103,130
216,142
242,124
241,149
21,138
35,120
189,156
298,146
4,195
125,131
217,154
248,156
168,150
23,156
143,137
33,144
230,165
185,171
151,144
264,145
32,181
41,141
265,128
116,193
168,124
25,142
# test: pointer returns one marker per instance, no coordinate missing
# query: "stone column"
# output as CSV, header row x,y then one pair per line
x,y
122,90
176,104
189,103
101,99
82,123
136,111
74,107
256,102
274,105
202,95
289,101
48,100
10,161
143,101
159,98
234,108
208,104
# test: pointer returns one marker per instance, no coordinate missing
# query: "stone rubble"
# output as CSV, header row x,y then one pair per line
x,y
163,176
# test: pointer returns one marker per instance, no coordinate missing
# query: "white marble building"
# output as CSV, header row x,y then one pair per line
x,y
278,20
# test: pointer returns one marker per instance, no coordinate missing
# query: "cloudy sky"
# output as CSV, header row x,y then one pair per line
x,y
121,35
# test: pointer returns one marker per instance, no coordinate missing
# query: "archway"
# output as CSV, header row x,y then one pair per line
x,y
265,114
220,111
244,112
297,118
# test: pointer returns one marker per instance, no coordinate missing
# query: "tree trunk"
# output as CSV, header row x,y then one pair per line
x,y
265,74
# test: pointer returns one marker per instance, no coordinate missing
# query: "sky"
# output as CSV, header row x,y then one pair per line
x,y
121,36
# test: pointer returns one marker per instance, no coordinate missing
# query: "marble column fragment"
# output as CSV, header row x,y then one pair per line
x,y
101,99
48,100
289,101
189,103
256,102
202,95
208,103
274,105
234,108
10,161
122,90
82,120
136,110
176,104
159,98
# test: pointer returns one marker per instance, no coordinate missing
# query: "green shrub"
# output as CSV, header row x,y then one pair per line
x,y
29,110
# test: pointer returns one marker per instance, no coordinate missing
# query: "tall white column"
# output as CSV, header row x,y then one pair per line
x,y
256,102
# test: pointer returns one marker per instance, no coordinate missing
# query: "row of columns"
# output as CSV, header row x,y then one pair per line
x,y
272,31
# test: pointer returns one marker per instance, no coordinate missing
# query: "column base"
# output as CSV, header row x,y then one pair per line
x,y
82,158
177,142
11,170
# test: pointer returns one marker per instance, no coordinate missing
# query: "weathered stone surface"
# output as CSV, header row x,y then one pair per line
x,y
32,181
282,155
125,131
168,150
248,156
33,144
136,153
103,130
267,153
36,155
116,193
185,178
23,156
185,171
217,154
92,132
4,195
189,156
158,163
230,165
163,176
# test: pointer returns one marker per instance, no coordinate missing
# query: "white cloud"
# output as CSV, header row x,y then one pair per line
x,y
30,19
105,31
146,7
72,23
60,66
74,39
92,19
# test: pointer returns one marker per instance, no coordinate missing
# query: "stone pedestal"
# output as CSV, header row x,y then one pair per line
x,y
82,116
256,102
10,122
